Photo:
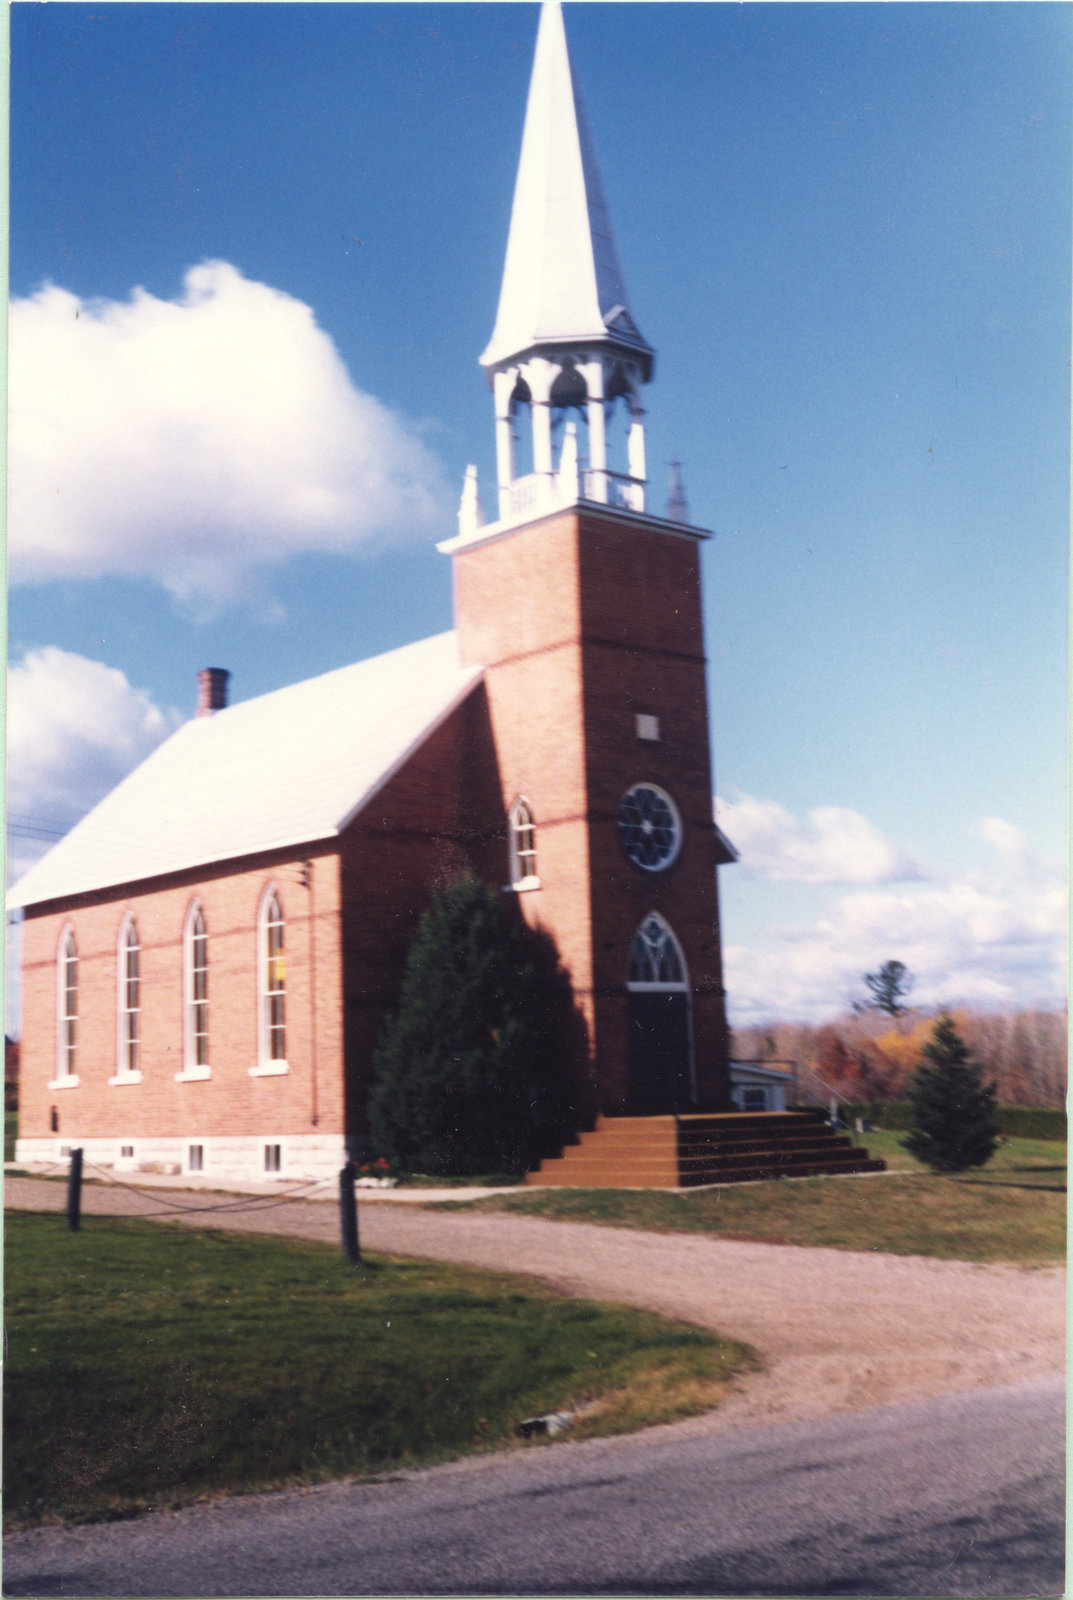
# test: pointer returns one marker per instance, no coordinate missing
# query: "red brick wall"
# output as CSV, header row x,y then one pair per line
x,y
230,1102
644,652
445,813
428,824
582,622
518,609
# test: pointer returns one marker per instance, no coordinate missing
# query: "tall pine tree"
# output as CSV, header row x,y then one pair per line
x,y
471,1072
953,1113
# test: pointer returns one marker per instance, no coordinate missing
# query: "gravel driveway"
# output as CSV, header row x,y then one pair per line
x,y
838,1330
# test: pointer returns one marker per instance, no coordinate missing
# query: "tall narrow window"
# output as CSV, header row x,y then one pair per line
x,y
523,862
129,999
196,995
272,1030
67,1007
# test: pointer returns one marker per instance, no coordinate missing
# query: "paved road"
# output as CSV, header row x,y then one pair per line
x,y
956,1496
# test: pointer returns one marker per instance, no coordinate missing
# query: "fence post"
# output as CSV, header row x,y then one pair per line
x,y
348,1215
74,1192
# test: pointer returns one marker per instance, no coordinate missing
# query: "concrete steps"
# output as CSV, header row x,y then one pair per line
x,y
728,1147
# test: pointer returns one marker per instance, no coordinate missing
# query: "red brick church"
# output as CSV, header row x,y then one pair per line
x,y
211,952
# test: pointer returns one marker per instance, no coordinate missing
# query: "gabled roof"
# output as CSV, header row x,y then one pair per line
x,y
562,280
284,769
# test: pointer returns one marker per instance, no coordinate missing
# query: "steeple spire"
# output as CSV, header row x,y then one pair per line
x,y
564,337
562,280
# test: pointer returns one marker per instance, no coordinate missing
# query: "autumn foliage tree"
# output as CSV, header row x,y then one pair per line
x,y
869,1055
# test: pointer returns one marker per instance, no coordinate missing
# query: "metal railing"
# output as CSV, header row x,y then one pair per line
x,y
803,1079
612,488
537,491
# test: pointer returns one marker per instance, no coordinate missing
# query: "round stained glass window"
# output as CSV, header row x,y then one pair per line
x,y
650,826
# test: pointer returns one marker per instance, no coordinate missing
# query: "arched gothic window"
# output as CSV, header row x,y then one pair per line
x,y
195,994
660,1022
130,1001
272,980
523,863
66,1007
655,957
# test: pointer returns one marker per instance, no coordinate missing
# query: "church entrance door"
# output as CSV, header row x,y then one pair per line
x,y
661,1053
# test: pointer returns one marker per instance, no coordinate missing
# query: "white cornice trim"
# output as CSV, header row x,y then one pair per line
x,y
589,508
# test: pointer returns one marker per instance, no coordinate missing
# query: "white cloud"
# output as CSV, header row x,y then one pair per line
x,y
994,937
198,441
835,845
75,727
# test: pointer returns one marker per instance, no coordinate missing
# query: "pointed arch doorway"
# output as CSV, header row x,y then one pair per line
x,y
660,1022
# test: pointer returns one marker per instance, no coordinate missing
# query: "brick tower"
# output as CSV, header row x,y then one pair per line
x,y
585,611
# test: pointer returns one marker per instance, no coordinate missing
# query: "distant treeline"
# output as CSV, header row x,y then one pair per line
x,y
872,1057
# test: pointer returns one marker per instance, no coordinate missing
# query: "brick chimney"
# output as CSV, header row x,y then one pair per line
x,y
212,690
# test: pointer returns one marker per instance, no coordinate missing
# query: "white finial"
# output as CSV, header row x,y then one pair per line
x,y
677,506
469,509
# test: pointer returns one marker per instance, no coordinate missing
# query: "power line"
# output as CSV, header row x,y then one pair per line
x,y
28,827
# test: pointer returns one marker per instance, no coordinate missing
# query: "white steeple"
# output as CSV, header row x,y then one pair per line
x,y
562,279
564,336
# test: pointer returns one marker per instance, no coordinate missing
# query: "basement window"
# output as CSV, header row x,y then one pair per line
x,y
273,1154
195,1158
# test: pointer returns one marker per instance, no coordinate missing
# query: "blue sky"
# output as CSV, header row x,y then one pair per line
x,y
845,228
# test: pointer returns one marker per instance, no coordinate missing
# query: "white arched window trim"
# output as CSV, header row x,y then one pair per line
x,y
271,986
522,832
128,1004
195,996
651,944
66,1010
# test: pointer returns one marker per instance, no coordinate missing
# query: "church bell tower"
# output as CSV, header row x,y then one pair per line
x,y
584,607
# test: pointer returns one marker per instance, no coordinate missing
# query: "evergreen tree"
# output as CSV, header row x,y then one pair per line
x,y
953,1120
471,1072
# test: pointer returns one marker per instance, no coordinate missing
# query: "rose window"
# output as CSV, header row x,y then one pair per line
x,y
650,827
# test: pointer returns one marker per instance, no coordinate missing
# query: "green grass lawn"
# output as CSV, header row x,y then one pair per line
x,y
1013,1209
149,1365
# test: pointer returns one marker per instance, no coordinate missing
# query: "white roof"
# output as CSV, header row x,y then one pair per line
x,y
562,279
284,769
742,1071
